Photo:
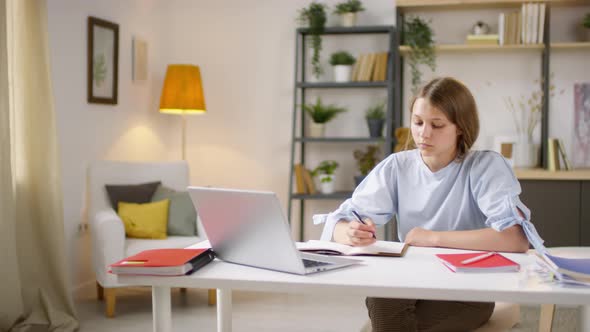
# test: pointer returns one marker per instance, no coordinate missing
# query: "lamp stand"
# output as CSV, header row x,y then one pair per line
x,y
183,136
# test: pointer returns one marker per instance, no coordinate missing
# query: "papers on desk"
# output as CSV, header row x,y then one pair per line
x,y
379,248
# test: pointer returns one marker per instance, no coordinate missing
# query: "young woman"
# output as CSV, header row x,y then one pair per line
x,y
443,195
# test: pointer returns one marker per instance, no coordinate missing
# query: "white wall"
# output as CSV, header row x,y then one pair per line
x,y
246,51
131,130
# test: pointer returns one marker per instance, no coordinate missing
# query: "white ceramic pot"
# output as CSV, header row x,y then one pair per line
x,y
316,129
348,19
525,154
326,187
342,73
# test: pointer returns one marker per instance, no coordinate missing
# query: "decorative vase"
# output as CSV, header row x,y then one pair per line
x,y
316,129
327,185
525,153
342,73
375,127
348,19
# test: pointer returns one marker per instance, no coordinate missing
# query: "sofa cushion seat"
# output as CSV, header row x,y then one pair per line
x,y
134,246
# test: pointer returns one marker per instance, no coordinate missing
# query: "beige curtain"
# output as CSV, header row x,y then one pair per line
x,y
34,294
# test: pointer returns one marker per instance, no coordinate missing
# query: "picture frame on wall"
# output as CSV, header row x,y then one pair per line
x,y
103,61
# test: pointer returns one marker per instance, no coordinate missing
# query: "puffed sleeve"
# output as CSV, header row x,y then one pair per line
x,y
496,191
374,198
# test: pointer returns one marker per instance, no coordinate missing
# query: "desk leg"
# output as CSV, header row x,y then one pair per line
x,y
224,310
585,318
162,309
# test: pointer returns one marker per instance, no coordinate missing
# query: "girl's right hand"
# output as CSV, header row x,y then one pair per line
x,y
354,233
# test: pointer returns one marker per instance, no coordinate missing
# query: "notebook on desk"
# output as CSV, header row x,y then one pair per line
x,y
249,228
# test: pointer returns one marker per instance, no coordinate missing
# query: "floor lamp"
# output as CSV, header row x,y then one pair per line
x,y
182,94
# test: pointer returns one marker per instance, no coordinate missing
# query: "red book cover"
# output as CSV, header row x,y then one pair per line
x,y
493,263
163,262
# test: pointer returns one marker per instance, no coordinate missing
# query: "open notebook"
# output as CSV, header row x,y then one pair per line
x,y
379,248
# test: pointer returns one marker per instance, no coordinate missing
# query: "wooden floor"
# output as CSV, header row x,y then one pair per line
x,y
258,312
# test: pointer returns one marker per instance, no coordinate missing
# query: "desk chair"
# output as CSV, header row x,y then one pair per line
x,y
504,317
109,243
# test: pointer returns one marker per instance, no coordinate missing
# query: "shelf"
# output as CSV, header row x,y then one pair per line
x,y
543,174
404,49
332,85
351,30
340,139
408,5
336,195
570,45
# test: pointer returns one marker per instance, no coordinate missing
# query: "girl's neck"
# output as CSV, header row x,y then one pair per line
x,y
436,163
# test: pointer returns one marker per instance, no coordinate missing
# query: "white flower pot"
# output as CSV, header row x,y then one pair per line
x,y
342,73
525,154
348,19
326,187
316,129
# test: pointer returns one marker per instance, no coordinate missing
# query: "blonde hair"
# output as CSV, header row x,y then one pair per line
x,y
455,100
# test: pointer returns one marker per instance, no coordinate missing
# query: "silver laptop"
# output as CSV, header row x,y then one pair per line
x,y
249,228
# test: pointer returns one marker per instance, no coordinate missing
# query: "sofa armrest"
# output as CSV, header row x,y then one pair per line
x,y
108,243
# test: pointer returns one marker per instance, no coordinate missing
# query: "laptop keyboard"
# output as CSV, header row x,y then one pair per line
x,y
311,263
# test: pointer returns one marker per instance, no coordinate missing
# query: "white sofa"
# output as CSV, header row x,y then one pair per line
x,y
109,243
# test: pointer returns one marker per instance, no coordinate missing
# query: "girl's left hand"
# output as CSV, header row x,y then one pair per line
x,y
421,237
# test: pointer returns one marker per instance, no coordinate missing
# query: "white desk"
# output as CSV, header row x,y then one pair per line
x,y
417,275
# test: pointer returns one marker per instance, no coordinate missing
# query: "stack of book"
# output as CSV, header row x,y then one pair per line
x,y
370,67
555,149
487,39
526,26
303,180
567,270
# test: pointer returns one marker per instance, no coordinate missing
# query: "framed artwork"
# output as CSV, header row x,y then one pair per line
x,y
103,61
139,59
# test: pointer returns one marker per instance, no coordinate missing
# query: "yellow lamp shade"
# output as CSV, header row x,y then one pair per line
x,y
182,91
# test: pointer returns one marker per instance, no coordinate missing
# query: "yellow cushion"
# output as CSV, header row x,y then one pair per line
x,y
148,220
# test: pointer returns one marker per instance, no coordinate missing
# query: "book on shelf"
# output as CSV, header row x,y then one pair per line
x,y
553,155
566,161
488,39
164,262
309,184
300,179
491,262
379,248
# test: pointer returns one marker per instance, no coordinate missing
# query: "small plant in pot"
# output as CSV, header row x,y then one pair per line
x,y
375,116
366,161
314,16
320,114
348,11
325,173
418,35
342,62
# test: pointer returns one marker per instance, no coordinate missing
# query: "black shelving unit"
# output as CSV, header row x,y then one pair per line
x,y
300,140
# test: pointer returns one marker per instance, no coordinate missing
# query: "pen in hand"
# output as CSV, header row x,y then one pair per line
x,y
358,217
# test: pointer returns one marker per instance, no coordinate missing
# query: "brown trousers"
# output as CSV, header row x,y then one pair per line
x,y
426,315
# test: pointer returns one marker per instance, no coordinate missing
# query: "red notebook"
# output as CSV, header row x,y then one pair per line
x,y
164,262
494,263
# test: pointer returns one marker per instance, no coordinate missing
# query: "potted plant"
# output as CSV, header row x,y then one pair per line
x,y
314,16
375,116
418,36
325,172
321,114
348,10
366,161
342,63
586,26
